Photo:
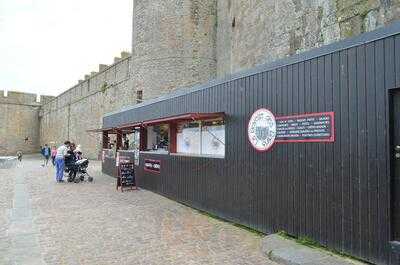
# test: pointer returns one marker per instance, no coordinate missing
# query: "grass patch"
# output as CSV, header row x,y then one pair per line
x,y
251,230
215,217
104,87
210,215
306,241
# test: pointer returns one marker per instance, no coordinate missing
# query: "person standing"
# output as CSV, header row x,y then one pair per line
x,y
46,152
115,148
53,155
60,164
126,142
19,155
70,160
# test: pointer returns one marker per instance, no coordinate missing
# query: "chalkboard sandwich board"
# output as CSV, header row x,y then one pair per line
x,y
126,176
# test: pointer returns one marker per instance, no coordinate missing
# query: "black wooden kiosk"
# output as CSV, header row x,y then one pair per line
x,y
326,166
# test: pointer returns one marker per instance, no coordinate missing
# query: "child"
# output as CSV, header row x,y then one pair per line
x,y
46,152
78,152
53,154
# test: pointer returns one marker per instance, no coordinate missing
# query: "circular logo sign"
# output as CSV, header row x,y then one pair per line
x,y
262,130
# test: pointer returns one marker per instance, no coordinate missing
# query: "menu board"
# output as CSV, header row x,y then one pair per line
x,y
124,159
126,176
314,127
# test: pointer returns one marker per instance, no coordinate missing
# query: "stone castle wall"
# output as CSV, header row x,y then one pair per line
x,y
82,107
19,119
173,44
252,32
178,43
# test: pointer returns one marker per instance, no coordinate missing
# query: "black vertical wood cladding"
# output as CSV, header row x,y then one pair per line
x,y
321,156
335,193
390,81
109,167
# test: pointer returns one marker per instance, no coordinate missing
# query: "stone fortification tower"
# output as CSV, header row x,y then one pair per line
x,y
174,45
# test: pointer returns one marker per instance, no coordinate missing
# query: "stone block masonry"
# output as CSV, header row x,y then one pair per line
x,y
173,45
19,122
256,32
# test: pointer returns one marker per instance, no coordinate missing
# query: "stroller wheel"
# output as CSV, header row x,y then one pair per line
x,y
77,180
82,178
90,179
70,179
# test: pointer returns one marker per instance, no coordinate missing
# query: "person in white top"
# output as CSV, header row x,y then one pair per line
x,y
60,164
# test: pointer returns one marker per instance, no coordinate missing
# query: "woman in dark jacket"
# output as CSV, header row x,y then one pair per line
x,y
70,160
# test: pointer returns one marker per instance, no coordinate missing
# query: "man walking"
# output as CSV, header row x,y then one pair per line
x,y
60,156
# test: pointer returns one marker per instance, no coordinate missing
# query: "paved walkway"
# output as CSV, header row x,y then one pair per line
x,y
43,222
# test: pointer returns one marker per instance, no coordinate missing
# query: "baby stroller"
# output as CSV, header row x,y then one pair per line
x,y
77,171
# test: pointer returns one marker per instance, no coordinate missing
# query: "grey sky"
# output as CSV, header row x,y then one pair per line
x,y
47,45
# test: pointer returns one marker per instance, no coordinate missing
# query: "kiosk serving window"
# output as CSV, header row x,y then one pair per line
x,y
196,134
201,138
158,138
213,138
131,141
188,138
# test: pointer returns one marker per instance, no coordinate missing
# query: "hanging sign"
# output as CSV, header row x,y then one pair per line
x,y
313,127
152,165
264,129
261,130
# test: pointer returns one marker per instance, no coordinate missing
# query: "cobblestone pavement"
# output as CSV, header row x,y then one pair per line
x,y
43,222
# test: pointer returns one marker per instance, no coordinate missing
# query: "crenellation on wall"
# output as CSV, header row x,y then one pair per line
x,y
81,92
117,59
19,119
125,54
81,108
92,84
85,87
72,93
14,97
46,99
102,67
122,70
94,81
108,77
